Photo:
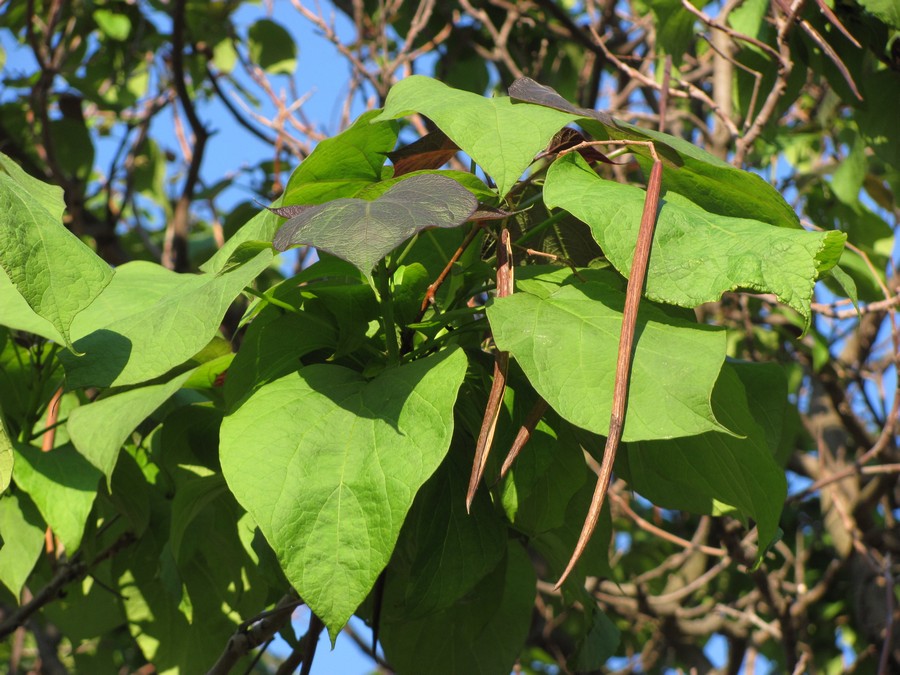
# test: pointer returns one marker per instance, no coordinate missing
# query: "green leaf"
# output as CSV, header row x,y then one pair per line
x,y
18,314
114,25
696,255
674,28
706,473
502,137
150,320
7,460
53,270
272,347
98,430
443,551
191,498
63,486
845,281
886,10
481,635
363,232
597,645
688,170
51,197
272,47
343,165
566,342
328,465
23,540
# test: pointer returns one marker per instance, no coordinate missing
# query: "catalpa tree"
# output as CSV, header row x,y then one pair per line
x,y
528,326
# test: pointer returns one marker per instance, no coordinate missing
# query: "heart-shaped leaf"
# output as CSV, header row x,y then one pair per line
x,y
566,337
328,464
501,136
362,232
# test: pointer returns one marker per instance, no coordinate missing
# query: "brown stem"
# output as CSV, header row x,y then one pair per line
x,y
525,431
623,363
501,365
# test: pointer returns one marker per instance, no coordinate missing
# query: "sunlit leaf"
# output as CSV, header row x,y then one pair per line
x,y
150,320
328,465
696,255
56,274
566,338
501,137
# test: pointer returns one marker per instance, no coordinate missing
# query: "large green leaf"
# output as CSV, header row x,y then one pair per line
x,y
63,486
696,255
362,232
99,429
703,178
566,337
345,164
23,540
150,320
328,465
481,635
502,137
54,271
714,471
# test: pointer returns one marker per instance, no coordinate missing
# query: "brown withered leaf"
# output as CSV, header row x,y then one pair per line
x,y
567,138
431,151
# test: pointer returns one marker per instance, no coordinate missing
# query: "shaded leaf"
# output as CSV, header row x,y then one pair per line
x,y
526,89
7,460
344,459
481,635
23,540
696,255
340,166
99,429
272,47
63,487
714,471
150,320
363,232
566,338
501,137
567,138
443,551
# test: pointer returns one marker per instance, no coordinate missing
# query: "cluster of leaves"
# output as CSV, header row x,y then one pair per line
x,y
332,449
802,92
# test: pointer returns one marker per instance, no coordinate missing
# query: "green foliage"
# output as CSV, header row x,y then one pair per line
x,y
194,468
